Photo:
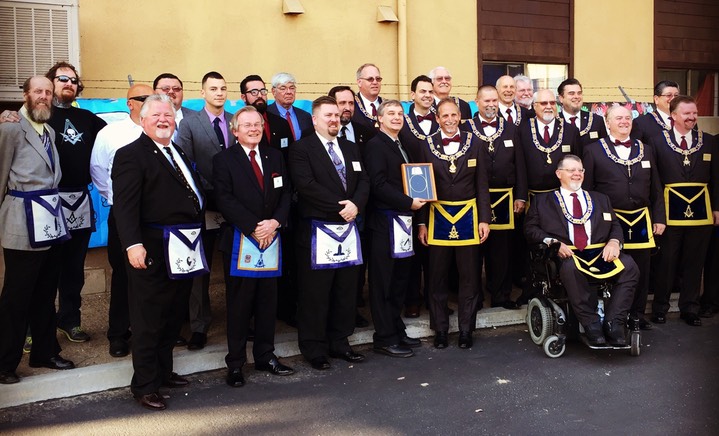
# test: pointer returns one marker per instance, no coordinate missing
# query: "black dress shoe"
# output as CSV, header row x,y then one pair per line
x,y
180,341
8,377
361,321
410,342
56,362
153,401
641,324
320,363
411,311
708,312
594,334
349,356
510,305
394,351
659,318
614,333
440,340
465,340
175,381
197,341
235,378
119,348
691,318
275,367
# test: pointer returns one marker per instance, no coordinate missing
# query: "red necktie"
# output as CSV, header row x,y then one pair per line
x,y
492,124
627,143
256,169
374,110
446,141
509,116
683,144
428,117
546,134
580,234
267,127
573,121
289,121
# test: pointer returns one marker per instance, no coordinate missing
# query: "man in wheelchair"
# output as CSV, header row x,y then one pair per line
x,y
590,240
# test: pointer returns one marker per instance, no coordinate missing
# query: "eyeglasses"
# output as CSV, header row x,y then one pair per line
x,y
291,88
545,103
65,79
256,92
572,170
443,78
377,79
248,126
670,95
140,98
167,89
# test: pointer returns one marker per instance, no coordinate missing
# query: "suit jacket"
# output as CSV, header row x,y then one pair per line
x,y
412,136
359,116
465,111
546,220
280,131
541,174
642,189
239,197
304,119
148,191
362,135
24,166
524,114
592,134
646,126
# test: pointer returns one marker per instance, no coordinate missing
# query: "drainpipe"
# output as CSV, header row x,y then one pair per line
x,y
402,84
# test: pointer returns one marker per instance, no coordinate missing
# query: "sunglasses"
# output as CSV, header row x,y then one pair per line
x,y
65,79
140,98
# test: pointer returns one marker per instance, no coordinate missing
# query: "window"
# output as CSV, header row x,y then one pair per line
x,y
703,85
34,35
542,75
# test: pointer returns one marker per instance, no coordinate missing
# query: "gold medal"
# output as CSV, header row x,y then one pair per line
x,y
686,160
452,167
549,159
491,147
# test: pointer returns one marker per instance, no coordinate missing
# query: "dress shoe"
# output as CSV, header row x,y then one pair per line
x,y
175,381
180,341
410,342
659,318
510,305
320,363
360,321
235,377
465,340
708,312
441,340
197,341
349,356
75,334
691,318
275,367
614,333
56,362
8,377
153,401
119,348
411,311
641,324
594,334
394,351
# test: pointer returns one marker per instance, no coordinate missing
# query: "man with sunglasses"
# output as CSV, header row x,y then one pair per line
x,y
367,99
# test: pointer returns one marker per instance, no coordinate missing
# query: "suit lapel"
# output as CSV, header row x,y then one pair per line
x,y
246,167
318,149
560,218
36,142
209,129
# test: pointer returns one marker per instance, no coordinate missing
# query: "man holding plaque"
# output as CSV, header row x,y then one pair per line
x,y
253,193
590,239
507,180
390,225
333,187
454,226
689,172
625,170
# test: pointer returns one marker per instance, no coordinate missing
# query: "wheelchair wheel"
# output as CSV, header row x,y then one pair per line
x,y
552,347
636,343
539,320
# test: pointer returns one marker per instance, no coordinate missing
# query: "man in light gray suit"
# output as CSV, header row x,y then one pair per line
x,y
30,174
284,89
204,134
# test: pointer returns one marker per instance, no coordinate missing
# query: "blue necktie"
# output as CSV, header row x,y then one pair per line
x,y
218,131
47,143
339,166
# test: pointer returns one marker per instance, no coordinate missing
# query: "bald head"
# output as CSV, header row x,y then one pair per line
x,y
135,97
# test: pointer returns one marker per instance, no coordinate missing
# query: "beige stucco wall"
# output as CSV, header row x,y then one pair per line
x,y
614,45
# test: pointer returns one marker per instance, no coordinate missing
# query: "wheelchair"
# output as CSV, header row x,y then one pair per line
x,y
550,319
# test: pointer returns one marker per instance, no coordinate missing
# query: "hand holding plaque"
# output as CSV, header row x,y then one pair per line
x,y
418,181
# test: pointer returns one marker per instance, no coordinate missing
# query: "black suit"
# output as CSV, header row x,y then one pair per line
x,y
326,304
591,128
148,192
523,113
244,204
280,132
465,111
546,220
646,126
359,116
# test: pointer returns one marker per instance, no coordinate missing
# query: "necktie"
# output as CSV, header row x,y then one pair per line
x,y
573,120
492,124
47,143
401,150
218,131
580,234
546,134
268,135
509,116
683,144
627,143
446,141
182,177
256,169
292,127
337,162
374,110
343,132
428,117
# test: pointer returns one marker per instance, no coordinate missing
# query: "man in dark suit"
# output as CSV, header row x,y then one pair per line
x,y
333,187
171,85
277,132
508,109
367,99
507,180
689,170
651,124
204,134
253,192
29,169
625,170
156,194
284,89
442,87
456,225
591,221
591,126
392,209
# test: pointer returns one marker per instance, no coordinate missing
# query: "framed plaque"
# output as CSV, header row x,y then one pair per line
x,y
418,181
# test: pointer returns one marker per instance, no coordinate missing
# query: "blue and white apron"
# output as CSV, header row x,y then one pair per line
x,y
77,208
184,252
43,213
248,260
335,245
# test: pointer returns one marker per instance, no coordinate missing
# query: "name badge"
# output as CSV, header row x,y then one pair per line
x,y
593,135
707,157
356,166
471,163
284,142
566,148
277,181
508,143
607,216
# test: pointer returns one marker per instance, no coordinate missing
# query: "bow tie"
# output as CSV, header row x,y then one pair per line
x,y
446,141
428,117
492,124
627,143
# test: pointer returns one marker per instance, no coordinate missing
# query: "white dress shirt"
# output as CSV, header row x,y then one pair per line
x,y
108,140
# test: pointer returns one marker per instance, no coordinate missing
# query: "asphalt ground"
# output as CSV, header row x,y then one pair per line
x,y
504,385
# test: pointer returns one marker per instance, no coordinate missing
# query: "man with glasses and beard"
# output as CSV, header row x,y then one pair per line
x,y
30,174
